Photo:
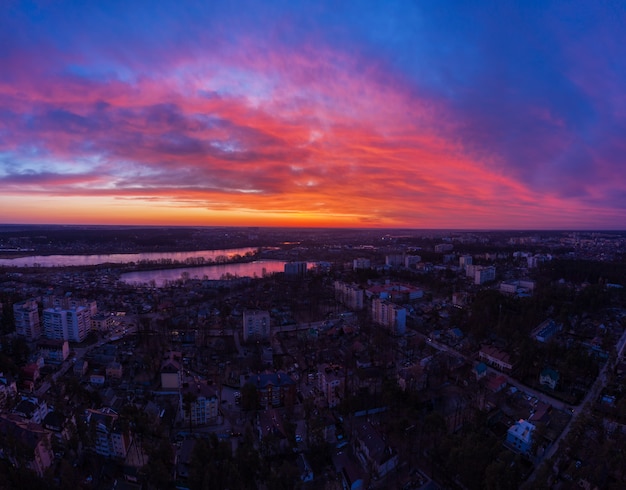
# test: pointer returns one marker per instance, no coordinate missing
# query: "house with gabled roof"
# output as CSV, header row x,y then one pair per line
x,y
372,450
549,377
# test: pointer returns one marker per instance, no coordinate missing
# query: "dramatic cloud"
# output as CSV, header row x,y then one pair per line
x,y
415,115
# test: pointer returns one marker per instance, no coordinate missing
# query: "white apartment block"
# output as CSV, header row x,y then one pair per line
x,y
27,322
349,295
465,260
330,382
389,315
67,324
484,274
256,325
203,404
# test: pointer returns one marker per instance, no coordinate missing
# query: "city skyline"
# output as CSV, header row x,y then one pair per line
x,y
432,115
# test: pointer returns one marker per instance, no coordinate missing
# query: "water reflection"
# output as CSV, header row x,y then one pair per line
x,y
161,277
76,260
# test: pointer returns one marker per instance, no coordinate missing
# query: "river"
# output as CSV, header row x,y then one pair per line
x,y
160,277
77,260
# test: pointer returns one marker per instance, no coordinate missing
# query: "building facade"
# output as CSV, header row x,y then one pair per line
x,y
349,295
72,324
484,274
519,437
256,325
199,404
27,323
389,315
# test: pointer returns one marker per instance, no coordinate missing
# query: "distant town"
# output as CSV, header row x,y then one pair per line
x,y
268,358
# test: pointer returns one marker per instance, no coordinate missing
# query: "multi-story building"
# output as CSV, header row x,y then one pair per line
x,y
27,322
349,295
389,315
109,438
68,302
199,404
484,274
410,261
519,437
53,351
273,389
295,269
465,260
361,263
256,325
67,324
330,382
394,260
101,322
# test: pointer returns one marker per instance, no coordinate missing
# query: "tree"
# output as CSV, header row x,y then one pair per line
x,y
249,397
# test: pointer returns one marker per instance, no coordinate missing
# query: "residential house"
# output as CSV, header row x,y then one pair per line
x,y
110,438
549,377
31,409
496,358
519,437
171,373
54,351
372,451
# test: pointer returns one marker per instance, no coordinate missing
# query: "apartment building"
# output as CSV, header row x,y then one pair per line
x,y
109,438
256,325
27,323
67,324
349,295
389,315
199,404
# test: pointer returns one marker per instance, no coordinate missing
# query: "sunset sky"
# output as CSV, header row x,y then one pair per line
x,y
421,114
